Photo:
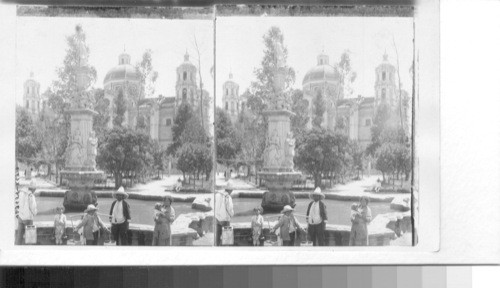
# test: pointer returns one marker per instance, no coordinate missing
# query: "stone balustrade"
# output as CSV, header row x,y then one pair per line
x,y
189,227
381,231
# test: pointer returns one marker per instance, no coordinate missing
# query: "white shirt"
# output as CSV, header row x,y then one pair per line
x,y
118,217
27,205
223,206
314,215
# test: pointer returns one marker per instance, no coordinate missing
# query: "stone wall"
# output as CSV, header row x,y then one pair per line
x,y
384,229
139,235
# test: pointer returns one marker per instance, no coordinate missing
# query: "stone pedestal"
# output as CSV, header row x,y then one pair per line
x,y
80,171
278,173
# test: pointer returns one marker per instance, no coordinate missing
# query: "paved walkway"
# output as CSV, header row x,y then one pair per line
x,y
159,188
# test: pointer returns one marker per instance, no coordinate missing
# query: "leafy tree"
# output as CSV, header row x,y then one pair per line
x,y
228,144
142,123
385,159
383,120
194,132
28,140
158,154
194,158
65,87
321,152
263,88
120,109
54,139
147,74
101,106
184,114
346,75
357,154
319,108
124,151
300,108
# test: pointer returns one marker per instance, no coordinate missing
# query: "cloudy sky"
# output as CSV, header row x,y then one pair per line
x,y
240,46
41,46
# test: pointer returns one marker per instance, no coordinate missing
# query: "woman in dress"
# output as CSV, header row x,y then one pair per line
x,y
360,221
164,216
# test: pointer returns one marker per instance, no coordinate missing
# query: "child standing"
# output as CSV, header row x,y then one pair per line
x,y
257,224
354,220
59,225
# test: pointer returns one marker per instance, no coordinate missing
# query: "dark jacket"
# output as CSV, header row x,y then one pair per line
x,y
322,210
126,210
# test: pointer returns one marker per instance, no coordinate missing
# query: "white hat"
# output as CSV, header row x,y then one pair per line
x,y
287,208
32,185
318,192
229,186
121,191
90,208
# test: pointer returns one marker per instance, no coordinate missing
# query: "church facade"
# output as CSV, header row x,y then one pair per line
x,y
155,115
357,114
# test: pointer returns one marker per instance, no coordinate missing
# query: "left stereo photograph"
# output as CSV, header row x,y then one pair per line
x,y
114,126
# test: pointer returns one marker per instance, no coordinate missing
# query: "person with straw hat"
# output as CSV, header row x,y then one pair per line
x,y
223,208
119,216
26,210
317,218
288,225
91,224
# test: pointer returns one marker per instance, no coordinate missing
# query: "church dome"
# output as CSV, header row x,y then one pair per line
x,y
122,72
321,72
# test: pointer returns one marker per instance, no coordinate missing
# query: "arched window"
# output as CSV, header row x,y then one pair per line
x,y
184,76
227,91
227,106
383,93
184,94
383,76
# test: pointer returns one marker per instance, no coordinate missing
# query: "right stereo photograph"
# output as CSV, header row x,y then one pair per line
x,y
313,127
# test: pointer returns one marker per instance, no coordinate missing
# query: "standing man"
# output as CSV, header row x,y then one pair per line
x,y
317,218
119,216
223,210
26,211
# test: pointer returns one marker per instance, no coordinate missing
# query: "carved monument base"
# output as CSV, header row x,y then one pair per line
x,y
80,173
81,183
279,194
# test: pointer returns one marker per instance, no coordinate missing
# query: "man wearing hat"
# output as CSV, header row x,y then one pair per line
x,y
317,218
223,210
119,216
25,211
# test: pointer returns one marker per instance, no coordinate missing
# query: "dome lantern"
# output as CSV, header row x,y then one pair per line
x,y
124,59
323,59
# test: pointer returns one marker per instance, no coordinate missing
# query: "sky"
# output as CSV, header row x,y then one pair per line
x,y
240,46
41,47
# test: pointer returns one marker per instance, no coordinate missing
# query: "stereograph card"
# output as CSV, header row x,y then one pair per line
x,y
233,134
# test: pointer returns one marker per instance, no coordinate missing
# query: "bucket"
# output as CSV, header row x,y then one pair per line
x,y
109,241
